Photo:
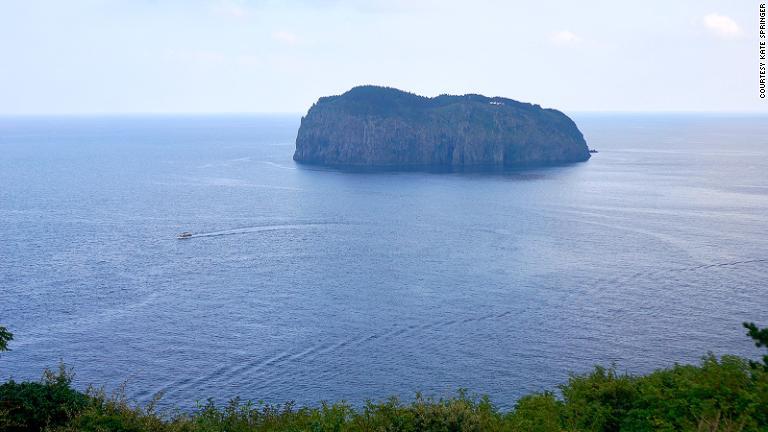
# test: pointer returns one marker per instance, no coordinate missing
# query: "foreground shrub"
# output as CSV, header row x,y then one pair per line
x,y
5,337
598,401
32,406
537,413
719,395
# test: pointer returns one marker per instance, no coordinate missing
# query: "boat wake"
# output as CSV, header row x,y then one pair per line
x,y
256,229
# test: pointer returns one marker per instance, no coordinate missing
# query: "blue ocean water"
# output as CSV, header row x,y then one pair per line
x,y
309,284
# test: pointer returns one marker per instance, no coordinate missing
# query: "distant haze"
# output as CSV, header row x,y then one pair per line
x,y
226,56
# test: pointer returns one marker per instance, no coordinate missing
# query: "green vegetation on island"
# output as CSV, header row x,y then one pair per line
x,y
720,394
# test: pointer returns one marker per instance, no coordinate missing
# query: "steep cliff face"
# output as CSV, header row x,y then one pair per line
x,y
383,127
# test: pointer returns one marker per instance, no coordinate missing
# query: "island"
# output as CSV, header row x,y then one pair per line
x,y
382,127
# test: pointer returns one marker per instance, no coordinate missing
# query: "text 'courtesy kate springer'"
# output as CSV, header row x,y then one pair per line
x,y
762,51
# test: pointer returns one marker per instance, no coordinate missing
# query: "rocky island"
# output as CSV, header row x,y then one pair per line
x,y
381,127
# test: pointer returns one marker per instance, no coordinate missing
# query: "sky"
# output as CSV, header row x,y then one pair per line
x,y
254,56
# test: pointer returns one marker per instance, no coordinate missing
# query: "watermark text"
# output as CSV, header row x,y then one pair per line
x,y
762,41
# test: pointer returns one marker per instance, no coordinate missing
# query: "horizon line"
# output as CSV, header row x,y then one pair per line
x,y
296,113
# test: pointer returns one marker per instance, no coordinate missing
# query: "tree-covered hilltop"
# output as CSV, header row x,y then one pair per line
x,y
720,394
371,126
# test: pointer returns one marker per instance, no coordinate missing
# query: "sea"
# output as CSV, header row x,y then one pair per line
x,y
307,284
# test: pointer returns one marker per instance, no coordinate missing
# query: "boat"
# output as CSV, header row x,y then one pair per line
x,y
592,151
184,235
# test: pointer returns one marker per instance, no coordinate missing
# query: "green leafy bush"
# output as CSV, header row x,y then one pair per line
x,y
5,337
598,401
760,336
32,406
540,412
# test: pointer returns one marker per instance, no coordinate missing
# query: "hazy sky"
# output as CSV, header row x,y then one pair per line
x,y
110,56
